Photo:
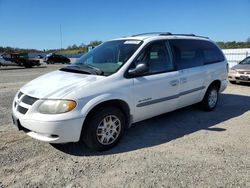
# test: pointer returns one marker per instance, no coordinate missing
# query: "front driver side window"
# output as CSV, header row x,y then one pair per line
x,y
157,57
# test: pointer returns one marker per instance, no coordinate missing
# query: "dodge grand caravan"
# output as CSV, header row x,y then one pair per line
x,y
118,83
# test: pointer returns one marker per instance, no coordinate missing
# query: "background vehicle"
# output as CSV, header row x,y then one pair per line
x,y
39,57
240,72
4,62
55,58
20,59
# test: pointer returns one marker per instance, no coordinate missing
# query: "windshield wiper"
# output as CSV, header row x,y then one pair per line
x,y
75,69
83,68
97,70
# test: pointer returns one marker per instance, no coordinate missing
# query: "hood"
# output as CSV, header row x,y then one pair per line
x,y
58,84
243,67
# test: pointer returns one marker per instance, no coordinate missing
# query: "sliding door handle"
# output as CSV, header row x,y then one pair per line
x,y
183,80
174,82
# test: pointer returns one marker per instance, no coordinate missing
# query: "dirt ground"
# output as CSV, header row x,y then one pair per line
x,y
185,148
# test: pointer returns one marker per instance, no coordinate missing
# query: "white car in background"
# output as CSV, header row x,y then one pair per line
x,y
240,72
4,62
118,83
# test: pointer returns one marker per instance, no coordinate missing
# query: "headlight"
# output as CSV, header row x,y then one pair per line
x,y
56,106
233,71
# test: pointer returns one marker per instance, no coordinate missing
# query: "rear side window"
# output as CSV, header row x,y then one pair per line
x,y
211,53
187,53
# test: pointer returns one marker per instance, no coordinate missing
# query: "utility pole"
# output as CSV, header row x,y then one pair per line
x,y
61,35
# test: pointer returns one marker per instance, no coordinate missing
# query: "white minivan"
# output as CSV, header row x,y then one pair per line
x,y
118,83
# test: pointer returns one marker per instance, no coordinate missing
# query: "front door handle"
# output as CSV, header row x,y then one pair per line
x,y
183,80
174,82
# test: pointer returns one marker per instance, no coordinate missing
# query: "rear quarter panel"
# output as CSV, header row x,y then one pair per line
x,y
216,71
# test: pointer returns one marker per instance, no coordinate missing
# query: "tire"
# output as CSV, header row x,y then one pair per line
x,y
27,65
101,126
232,82
210,99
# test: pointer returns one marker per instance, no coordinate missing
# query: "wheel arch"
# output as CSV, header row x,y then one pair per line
x,y
216,83
119,103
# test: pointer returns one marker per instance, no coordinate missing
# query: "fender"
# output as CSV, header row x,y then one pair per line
x,y
103,98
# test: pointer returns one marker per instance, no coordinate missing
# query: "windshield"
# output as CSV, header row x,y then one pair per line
x,y
109,56
246,61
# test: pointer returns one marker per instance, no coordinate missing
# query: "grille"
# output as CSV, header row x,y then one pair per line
x,y
25,99
29,100
22,110
19,94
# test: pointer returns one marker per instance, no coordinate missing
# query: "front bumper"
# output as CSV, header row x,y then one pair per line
x,y
236,77
52,132
56,128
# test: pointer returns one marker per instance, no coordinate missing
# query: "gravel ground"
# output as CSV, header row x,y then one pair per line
x,y
185,148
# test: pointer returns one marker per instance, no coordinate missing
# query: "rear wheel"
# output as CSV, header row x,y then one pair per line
x,y
210,99
28,65
104,128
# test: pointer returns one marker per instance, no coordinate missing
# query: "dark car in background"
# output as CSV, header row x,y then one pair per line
x,y
56,58
18,59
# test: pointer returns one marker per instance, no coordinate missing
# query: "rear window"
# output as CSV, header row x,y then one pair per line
x,y
211,53
192,53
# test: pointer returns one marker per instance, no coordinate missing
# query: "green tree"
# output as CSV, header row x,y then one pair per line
x,y
95,43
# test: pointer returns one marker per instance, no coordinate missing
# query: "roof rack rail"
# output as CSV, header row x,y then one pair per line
x,y
191,34
152,33
167,33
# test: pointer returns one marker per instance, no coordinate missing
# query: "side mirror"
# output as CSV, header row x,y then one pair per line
x,y
140,69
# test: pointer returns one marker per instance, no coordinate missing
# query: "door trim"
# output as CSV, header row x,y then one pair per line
x,y
170,97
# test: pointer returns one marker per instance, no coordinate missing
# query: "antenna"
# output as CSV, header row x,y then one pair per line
x,y
61,34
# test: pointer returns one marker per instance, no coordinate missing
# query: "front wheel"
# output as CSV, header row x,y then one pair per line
x,y
104,128
210,99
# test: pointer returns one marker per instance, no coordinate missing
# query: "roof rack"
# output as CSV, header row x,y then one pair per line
x,y
152,33
167,34
191,34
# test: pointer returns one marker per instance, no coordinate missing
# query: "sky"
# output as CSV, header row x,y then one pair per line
x,y
36,23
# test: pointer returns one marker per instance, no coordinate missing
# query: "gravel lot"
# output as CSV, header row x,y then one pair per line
x,y
185,148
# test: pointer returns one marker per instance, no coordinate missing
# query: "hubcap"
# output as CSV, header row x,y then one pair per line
x,y
212,98
108,130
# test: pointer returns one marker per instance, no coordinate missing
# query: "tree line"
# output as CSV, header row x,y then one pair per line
x,y
234,44
9,49
83,48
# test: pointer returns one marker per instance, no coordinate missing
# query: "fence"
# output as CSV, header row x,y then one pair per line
x,y
234,56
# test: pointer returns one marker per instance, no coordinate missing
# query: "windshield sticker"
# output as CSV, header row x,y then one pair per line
x,y
132,42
